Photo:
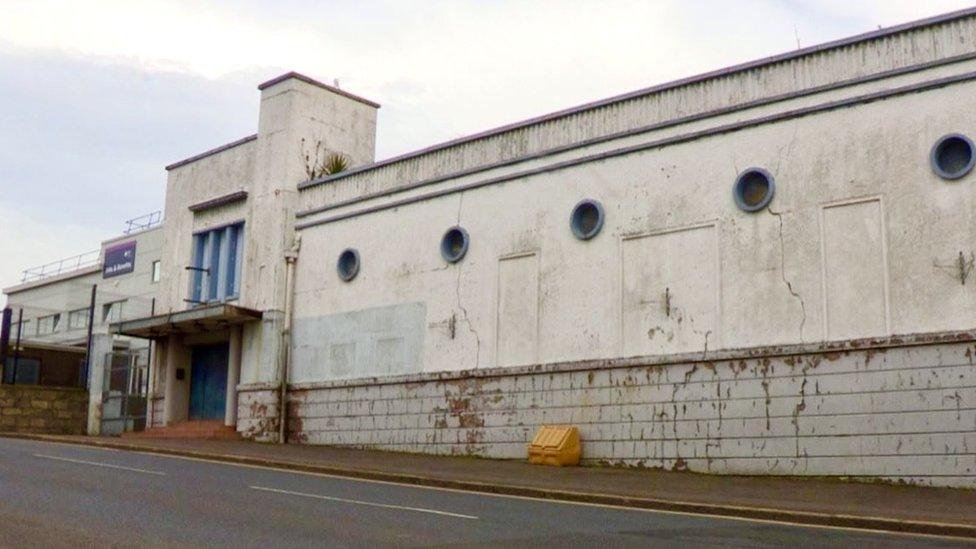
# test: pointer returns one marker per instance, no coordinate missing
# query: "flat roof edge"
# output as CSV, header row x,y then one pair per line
x,y
211,152
52,279
133,234
658,88
222,200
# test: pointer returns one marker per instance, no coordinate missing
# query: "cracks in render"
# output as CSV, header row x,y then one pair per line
x,y
457,293
789,149
705,351
782,272
467,321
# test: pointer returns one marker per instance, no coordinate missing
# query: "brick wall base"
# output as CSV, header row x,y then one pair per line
x,y
895,410
257,412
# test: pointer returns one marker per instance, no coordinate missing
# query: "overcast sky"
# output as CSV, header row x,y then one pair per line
x,y
97,96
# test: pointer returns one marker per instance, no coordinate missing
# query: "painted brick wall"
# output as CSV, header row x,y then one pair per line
x,y
257,411
35,409
899,411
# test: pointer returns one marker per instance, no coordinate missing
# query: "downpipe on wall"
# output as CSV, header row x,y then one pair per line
x,y
291,257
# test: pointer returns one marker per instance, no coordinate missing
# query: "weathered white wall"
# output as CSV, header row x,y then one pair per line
x,y
668,103
72,291
60,294
136,287
857,211
861,241
210,177
899,413
296,119
101,348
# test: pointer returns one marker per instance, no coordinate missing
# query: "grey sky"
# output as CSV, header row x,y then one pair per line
x,y
96,97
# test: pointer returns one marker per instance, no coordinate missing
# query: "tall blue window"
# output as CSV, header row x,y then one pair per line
x,y
217,264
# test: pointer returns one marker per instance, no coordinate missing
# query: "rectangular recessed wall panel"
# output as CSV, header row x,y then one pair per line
x,y
670,291
518,310
854,270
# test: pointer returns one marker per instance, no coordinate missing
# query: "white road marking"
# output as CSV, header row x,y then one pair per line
x,y
99,464
890,533
652,511
369,503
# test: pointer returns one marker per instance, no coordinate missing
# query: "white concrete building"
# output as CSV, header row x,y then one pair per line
x,y
764,269
53,314
56,298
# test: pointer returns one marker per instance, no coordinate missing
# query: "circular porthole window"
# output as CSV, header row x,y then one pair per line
x,y
952,156
753,189
587,219
454,244
348,264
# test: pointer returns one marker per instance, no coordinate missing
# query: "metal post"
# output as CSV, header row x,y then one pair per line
x,y
88,344
152,312
20,328
4,338
149,372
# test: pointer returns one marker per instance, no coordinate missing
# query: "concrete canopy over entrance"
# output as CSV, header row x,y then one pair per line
x,y
209,318
198,360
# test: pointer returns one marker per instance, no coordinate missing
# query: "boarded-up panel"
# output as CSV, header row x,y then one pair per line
x,y
343,358
670,292
518,310
389,355
371,342
854,270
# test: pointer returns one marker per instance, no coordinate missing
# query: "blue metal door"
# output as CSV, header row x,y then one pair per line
x,y
208,382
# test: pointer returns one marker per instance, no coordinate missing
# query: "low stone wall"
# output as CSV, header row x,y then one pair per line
x,y
37,409
899,409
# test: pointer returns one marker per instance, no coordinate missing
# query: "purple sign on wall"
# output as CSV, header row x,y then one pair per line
x,y
119,260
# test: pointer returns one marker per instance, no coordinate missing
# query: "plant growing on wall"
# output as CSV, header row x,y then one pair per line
x,y
334,163
323,163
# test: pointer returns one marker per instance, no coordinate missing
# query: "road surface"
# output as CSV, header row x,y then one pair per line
x,y
60,495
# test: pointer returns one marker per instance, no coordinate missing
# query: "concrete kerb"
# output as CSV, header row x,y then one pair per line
x,y
880,524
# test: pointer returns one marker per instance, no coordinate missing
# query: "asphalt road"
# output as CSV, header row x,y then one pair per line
x,y
59,495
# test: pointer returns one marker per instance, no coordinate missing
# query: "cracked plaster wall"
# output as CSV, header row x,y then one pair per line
x,y
899,414
770,268
749,280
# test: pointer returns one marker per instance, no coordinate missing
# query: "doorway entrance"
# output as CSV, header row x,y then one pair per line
x,y
208,382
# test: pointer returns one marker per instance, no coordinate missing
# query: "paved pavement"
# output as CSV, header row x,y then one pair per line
x,y
60,495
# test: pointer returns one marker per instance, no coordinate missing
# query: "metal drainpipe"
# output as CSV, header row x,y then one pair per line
x,y
291,257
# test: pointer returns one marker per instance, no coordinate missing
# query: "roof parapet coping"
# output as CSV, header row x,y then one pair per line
x,y
211,152
658,88
301,77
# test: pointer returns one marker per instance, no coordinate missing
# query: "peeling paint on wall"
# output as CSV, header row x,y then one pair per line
x,y
905,414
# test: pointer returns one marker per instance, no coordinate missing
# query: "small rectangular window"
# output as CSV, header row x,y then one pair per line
x,y
23,329
112,312
48,324
78,319
157,271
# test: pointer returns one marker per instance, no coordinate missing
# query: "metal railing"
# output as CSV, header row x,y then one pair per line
x,y
93,258
68,264
143,222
